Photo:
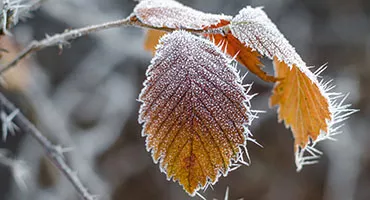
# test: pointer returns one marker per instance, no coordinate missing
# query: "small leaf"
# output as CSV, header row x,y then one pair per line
x,y
195,111
306,108
17,78
243,54
172,14
253,28
152,38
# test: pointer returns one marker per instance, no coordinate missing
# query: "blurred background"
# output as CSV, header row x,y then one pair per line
x,y
84,97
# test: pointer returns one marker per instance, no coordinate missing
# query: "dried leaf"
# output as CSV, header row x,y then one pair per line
x,y
16,78
243,54
306,108
253,28
172,14
194,111
152,38
302,105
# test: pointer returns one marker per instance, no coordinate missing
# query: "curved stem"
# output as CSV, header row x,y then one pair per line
x,y
62,38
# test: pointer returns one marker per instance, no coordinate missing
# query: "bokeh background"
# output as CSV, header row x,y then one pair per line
x,y
84,97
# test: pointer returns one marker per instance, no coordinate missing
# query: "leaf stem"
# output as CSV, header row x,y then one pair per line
x,y
62,38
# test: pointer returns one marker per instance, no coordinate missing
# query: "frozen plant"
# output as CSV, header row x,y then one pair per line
x,y
195,111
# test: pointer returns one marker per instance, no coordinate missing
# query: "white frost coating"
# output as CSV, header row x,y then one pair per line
x,y
172,14
192,87
254,28
8,126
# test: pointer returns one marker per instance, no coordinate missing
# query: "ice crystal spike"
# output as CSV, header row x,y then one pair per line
x,y
195,111
172,14
8,126
254,28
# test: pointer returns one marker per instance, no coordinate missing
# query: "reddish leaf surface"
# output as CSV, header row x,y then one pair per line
x,y
194,111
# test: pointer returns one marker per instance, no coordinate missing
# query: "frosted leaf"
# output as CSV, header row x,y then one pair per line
x,y
309,109
254,28
306,105
172,14
195,111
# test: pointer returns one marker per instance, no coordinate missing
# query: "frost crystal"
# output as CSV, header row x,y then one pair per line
x,y
20,170
172,14
7,123
254,28
195,111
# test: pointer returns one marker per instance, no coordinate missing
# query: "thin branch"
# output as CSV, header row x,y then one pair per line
x,y
63,38
54,153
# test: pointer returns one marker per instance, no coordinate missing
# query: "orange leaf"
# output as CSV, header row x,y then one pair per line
x,y
244,54
306,105
151,39
302,104
16,78
194,111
